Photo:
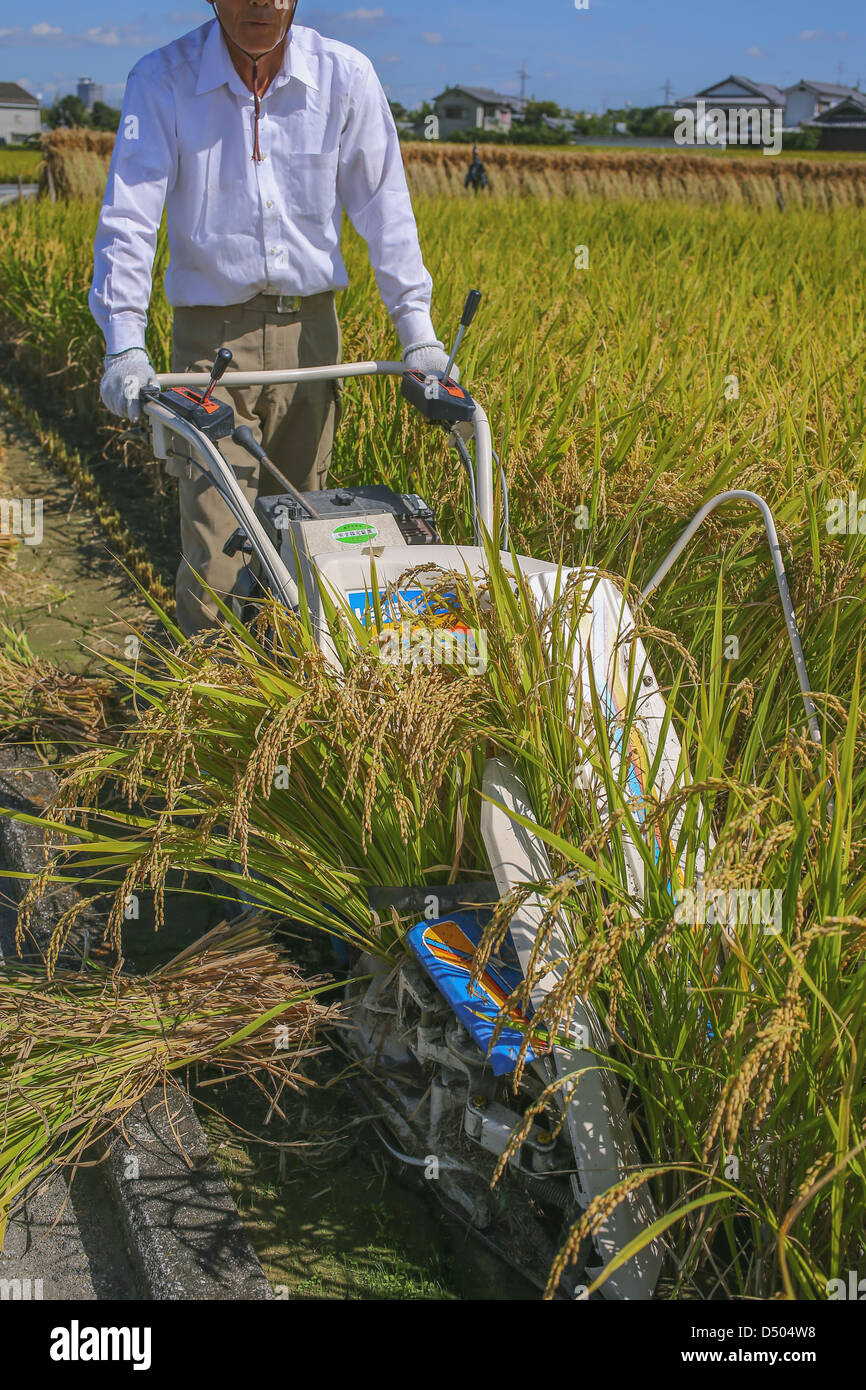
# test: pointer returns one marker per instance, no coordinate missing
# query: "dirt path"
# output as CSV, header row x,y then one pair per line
x,y
75,602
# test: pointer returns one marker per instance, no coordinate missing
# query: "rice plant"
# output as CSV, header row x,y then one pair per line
x,y
78,1052
306,784
703,347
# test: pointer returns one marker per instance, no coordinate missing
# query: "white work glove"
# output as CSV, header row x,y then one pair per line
x,y
125,374
428,357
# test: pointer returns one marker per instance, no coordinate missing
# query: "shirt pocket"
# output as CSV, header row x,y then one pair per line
x,y
311,186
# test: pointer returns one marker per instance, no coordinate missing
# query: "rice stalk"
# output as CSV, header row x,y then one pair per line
x,y
78,1052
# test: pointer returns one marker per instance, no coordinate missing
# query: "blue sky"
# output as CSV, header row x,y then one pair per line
x,y
614,52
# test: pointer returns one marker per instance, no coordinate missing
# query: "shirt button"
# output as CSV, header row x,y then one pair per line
x,y
269,203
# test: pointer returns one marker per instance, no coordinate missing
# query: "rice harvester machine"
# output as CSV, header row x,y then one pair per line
x,y
439,1095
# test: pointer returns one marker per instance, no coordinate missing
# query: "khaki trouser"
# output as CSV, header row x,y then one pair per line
x,y
293,423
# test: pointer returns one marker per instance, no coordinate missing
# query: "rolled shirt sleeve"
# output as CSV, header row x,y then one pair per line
x,y
142,171
372,187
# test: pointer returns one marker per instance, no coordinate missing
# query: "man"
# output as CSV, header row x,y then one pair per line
x,y
477,175
254,134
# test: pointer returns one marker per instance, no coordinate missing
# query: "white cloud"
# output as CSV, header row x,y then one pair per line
x,y
99,36
432,38
104,35
809,34
391,58
363,15
755,52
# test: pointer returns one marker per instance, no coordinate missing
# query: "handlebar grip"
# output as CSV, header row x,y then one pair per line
x,y
223,357
473,299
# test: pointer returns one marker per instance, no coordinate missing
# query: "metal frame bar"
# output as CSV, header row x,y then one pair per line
x,y
208,457
741,495
342,370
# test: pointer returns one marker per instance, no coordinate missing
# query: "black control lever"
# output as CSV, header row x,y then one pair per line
x,y
243,435
223,357
473,299
213,418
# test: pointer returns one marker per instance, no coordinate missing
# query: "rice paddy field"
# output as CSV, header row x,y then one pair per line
x,y
23,164
636,355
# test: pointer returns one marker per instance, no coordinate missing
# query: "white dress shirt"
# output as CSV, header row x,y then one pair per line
x,y
237,228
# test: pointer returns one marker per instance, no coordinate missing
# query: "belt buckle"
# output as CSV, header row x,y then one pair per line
x,y
288,303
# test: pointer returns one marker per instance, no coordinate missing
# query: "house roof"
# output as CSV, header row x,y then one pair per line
x,y
823,89
853,106
13,95
765,91
486,95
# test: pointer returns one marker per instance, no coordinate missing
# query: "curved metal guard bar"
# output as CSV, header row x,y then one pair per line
x,y
221,475
741,495
337,371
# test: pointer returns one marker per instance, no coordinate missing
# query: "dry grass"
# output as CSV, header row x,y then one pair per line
x,y
77,162
84,1048
678,175
39,701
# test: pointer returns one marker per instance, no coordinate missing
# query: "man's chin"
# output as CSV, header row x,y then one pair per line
x,y
254,36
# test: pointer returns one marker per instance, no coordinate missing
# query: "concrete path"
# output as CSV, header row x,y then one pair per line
x,y
67,1246
10,192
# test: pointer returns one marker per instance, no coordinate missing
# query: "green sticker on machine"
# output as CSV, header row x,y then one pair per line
x,y
355,533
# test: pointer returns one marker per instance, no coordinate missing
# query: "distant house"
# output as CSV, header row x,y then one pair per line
x,y
737,97
475,108
805,100
19,114
563,123
843,125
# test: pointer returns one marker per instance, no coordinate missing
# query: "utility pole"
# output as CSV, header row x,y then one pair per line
x,y
523,75
668,91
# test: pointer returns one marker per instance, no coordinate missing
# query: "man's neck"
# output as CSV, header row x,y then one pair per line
x,y
268,65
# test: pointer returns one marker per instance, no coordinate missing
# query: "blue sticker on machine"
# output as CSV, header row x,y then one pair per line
x,y
445,948
402,603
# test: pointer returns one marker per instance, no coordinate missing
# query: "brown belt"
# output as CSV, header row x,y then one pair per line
x,y
285,303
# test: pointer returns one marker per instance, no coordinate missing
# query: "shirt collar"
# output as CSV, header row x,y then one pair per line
x,y
216,66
